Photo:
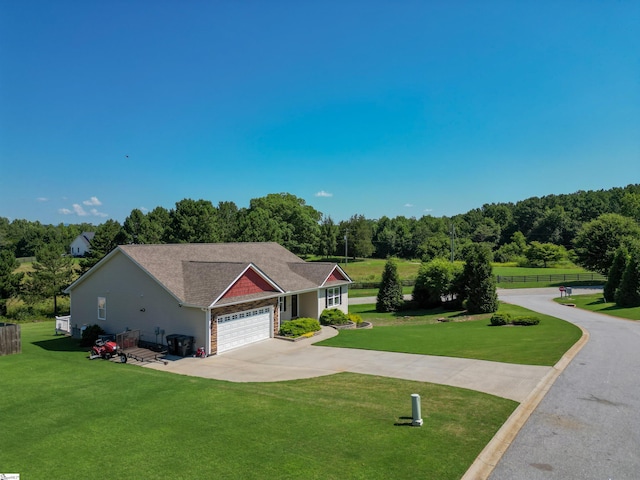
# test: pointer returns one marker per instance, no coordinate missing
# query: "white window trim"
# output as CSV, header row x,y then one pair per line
x,y
334,296
282,304
102,309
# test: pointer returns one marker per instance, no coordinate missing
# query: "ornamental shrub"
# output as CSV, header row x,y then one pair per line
x,y
498,319
357,319
525,321
299,327
333,316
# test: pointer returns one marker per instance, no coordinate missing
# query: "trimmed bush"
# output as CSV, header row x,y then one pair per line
x,y
333,316
357,319
525,321
299,327
499,319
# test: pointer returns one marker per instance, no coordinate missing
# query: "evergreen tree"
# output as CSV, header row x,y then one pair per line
x,y
9,281
615,273
479,283
52,273
390,294
628,293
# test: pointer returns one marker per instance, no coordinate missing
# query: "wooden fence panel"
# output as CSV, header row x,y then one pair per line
x,y
10,341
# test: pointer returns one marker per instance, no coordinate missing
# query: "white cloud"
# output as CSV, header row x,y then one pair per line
x,y
42,199
92,201
144,209
78,210
408,205
322,193
96,213
428,209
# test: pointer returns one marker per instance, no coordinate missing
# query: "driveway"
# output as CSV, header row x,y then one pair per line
x,y
276,360
588,424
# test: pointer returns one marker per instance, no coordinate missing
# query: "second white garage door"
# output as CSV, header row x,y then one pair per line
x,y
242,328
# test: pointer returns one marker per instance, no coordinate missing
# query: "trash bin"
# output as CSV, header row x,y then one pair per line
x,y
172,344
184,345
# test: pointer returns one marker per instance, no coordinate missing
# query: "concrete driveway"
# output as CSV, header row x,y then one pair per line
x,y
278,360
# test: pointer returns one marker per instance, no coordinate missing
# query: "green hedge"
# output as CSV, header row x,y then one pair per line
x,y
299,327
499,319
525,321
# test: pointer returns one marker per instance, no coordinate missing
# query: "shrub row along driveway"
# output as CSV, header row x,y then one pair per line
x,y
587,426
277,360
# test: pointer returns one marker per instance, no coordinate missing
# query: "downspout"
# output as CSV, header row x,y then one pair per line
x,y
207,346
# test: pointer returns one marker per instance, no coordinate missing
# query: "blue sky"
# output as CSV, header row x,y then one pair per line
x,y
358,107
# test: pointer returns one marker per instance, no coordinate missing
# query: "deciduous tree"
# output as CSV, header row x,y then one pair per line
x,y
434,282
599,239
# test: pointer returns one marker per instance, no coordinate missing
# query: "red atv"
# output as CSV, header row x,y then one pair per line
x,y
107,349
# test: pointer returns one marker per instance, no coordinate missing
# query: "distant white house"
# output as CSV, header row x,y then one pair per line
x,y
82,244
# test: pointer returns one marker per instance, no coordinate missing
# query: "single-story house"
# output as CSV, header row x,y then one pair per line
x,y
225,295
81,245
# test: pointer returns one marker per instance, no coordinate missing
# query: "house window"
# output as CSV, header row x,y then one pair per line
x,y
102,308
334,296
282,302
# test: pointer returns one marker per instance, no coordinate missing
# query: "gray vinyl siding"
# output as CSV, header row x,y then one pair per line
x,y
128,291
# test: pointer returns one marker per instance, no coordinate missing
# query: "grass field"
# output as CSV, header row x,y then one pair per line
x,y
64,416
595,302
420,332
370,271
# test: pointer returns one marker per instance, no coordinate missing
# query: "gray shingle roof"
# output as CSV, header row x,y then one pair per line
x,y
198,273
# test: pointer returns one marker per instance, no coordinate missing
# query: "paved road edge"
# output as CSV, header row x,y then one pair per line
x,y
489,457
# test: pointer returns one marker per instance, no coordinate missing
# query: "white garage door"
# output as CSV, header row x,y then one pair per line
x,y
242,328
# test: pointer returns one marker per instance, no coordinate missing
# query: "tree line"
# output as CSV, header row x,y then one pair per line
x,y
284,218
587,227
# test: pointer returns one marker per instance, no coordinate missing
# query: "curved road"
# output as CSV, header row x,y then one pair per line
x,y
588,424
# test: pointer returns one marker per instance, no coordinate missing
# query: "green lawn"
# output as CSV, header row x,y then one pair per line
x,y
508,270
595,302
373,292
370,269
420,332
64,416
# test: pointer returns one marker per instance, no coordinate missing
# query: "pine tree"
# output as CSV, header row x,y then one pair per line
x,y
615,273
479,283
9,281
390,294
52,273
628,293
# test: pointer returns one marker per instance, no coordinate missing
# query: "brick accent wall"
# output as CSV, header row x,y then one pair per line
x,y
240,308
